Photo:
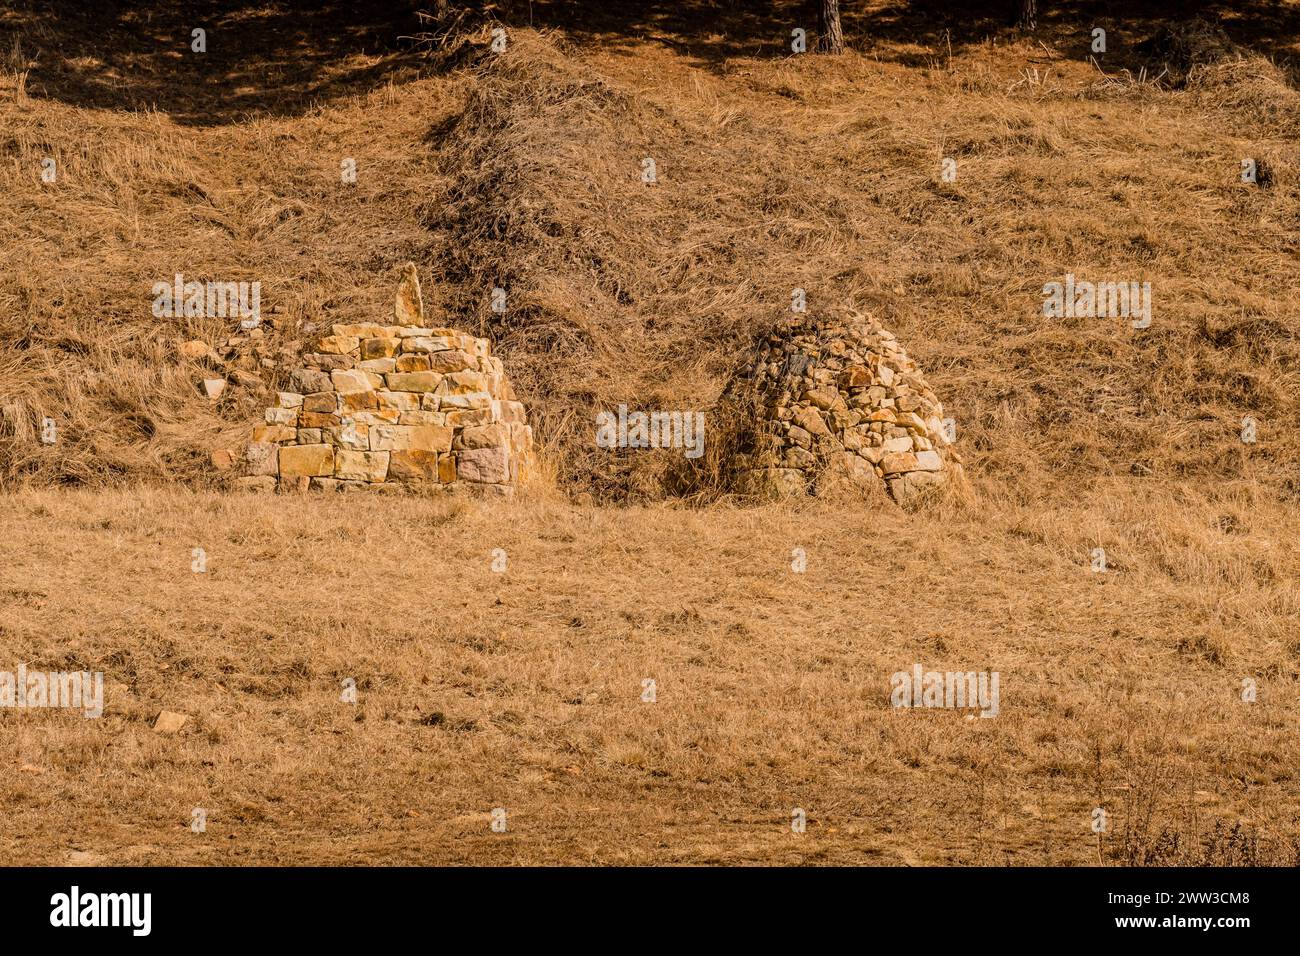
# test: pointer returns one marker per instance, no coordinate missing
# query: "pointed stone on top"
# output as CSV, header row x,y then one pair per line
x,y
409,307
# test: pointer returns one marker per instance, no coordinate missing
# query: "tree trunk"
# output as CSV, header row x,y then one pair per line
x,y
1024,14
830,38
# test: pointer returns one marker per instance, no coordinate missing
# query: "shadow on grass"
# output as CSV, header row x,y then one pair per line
x,y
282,57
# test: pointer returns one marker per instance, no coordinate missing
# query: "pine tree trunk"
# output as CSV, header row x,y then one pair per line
x,y
830,36
1024,14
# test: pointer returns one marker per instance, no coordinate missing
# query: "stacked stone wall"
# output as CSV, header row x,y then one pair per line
x,y
378,404
837,400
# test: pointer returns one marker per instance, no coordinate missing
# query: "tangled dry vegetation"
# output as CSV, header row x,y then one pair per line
x,y
523,170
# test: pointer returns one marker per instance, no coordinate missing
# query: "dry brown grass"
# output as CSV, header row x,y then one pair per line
x,y
143,195
777,172
774,172
522,690
480,690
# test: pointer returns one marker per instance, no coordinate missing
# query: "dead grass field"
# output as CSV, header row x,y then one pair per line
x,y
522,690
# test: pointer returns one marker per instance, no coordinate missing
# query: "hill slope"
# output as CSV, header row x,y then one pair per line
x,y
1122,687
524,170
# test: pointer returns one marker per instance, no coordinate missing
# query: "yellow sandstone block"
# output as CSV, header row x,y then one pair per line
x,y
306,461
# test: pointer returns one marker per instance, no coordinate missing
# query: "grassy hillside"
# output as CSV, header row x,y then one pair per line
x,y
244,188
523,169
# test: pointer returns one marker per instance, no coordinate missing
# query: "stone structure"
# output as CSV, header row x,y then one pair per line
x,y
377,404
835,399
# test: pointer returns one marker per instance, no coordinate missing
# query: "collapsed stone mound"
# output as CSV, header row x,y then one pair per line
x,y
837,401
395,403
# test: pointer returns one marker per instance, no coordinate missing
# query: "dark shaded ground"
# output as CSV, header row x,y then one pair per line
x,y
711,31
283,56
277,57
